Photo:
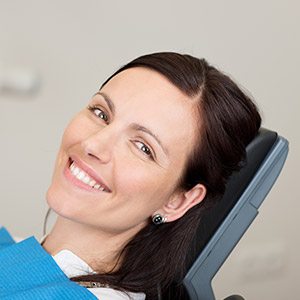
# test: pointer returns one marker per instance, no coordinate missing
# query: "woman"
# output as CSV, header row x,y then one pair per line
x,y
137,168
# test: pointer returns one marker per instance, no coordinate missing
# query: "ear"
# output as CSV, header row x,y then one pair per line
x,y
181,202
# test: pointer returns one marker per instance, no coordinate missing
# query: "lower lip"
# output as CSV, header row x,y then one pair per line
x,y
78,183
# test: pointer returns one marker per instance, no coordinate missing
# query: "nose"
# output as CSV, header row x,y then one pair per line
x,y
99,145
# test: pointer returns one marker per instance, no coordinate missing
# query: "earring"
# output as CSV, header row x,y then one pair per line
x,y
158,219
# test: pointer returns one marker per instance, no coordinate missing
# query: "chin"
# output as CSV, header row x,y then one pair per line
x,y
59,203
51,198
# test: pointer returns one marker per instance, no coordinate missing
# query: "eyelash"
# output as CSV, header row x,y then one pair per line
x,y
94,108
147,152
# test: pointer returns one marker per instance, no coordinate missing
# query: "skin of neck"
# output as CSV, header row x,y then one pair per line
x,y
100,250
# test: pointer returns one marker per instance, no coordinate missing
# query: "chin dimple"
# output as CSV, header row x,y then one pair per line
x,y
85,178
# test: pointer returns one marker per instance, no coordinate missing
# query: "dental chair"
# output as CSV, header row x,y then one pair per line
x,y
222,226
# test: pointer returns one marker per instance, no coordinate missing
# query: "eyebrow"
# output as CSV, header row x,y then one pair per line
x,y
134,126
108,101
139,127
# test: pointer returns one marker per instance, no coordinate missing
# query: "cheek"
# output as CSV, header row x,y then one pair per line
x,y
146,186
78,128
70,136
74,132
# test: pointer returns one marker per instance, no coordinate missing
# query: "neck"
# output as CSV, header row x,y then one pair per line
x,y
100,250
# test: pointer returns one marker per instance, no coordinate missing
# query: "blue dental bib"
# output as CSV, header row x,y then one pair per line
x,y
27,271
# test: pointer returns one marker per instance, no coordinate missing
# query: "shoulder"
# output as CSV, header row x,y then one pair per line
x,y
72,265
111,294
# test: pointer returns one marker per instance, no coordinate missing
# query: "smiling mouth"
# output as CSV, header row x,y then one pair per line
x,y
85,178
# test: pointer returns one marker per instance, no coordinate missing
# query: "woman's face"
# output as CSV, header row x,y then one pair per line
x,y
133,141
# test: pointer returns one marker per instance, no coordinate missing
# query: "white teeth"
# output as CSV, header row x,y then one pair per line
x,y
86,179
76,171
92,183
82,176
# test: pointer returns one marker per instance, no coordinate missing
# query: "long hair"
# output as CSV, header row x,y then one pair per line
x,y
157,255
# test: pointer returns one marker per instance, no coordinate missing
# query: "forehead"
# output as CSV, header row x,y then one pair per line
x,y
147,97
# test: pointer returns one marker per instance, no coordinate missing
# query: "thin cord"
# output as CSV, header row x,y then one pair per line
x,y
45,221
158,292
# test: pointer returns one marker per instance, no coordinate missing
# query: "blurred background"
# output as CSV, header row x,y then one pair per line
x,y
55,54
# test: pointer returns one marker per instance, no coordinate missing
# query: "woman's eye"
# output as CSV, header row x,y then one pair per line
x,y
144,148
99,113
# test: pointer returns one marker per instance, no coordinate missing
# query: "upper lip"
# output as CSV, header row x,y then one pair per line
x,y
88,170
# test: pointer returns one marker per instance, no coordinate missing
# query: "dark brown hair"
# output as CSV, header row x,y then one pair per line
x,y
156,256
